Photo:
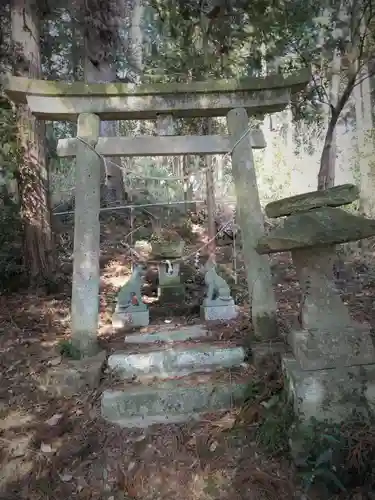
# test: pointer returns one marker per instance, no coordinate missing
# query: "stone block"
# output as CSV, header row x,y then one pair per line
x,y
330,393
175,362
169,276
72,377
172,249
171,294
169,335
331,349
130,319
225,311
332,197
168,402
316,228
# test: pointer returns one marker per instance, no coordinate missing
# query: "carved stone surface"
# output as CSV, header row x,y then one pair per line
x,y
216,286
171,295
329,394
131,311
329,337
320,227
218,303
169,273
333,197
129,298
126,320
219,310
333,368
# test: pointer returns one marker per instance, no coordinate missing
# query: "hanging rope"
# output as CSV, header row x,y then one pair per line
x,y
183,178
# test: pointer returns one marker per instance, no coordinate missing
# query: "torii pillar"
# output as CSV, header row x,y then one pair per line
x,y
89,104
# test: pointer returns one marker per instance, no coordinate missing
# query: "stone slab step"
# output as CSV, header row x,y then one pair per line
x,y
168,334
169,402
173,362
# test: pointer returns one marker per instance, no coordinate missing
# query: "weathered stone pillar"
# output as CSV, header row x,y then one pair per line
x,y
262,299
86,274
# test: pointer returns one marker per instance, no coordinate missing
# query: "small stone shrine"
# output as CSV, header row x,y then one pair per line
x,y
333,368
218,303
167,250
130,310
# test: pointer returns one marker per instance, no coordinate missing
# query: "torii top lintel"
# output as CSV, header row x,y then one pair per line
x,y
50,100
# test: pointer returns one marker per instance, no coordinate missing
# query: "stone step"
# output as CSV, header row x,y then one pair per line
x,y
175,401
175,361
168,334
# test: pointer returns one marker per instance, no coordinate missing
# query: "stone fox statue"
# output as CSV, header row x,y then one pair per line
x,y
130,294
217,287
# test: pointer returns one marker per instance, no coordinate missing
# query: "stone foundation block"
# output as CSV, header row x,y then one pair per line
x,y
168,402
323,350
129,320
175,362
169,335
330,393
219,312
74,377
171,294
260,351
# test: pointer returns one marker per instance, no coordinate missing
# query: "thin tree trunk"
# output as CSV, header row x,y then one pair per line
x,y
365,125
32,174
326,178
210,193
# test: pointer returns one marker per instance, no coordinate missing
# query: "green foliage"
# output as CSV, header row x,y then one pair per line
x,y
10,154
325,449
11,256
68,350
338,456
278,417
267,402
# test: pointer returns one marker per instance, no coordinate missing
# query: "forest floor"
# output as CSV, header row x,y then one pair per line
x,y
55,448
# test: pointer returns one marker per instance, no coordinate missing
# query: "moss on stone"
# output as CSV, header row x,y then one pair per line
x,y
18,87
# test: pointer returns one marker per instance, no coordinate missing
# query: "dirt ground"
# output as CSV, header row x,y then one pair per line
x,y
55,448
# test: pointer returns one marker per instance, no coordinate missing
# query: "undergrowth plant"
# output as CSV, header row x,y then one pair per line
x,y
68,350
339,457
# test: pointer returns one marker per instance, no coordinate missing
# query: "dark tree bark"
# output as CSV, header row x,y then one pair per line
x,y
32,173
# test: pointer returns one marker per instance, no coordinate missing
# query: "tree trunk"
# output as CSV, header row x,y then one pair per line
x,y
102,20
32,174
364,126
326,177
210,192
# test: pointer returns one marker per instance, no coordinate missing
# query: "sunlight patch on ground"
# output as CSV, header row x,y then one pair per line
x,y
15,419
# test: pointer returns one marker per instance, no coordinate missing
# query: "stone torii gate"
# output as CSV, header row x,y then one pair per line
x,y
89,103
